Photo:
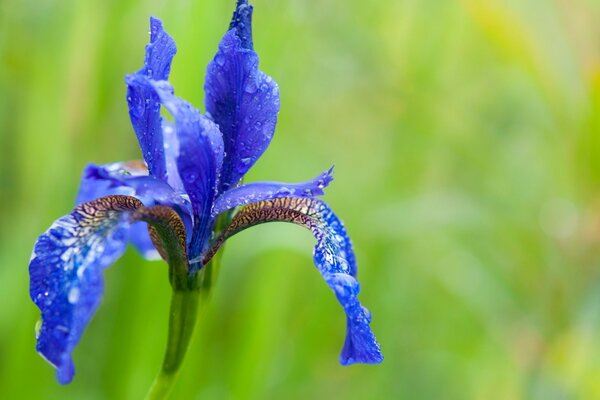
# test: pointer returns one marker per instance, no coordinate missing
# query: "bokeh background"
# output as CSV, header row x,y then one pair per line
x,y
466,139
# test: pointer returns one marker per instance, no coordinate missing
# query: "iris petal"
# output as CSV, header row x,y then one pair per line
x,y
333,256
260,191
171,154
67,264
199,161
66,273
241,99
144,105
131,179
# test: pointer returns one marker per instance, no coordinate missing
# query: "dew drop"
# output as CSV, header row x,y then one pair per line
x,y
189,176
73,295
250,87
285,191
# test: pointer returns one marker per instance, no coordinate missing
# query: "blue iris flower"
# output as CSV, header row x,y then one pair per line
x,y
168,206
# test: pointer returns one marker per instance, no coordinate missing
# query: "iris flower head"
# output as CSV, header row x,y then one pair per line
x,y
171,204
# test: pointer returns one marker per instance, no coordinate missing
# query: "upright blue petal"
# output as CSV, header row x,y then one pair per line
x,y
334,257
144,106
66,273
241,21
199,162
241,99
171,154
260,191
131,179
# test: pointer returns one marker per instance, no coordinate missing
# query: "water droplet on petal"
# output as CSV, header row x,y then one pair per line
x,y
73,295
285,191
189,176
250,86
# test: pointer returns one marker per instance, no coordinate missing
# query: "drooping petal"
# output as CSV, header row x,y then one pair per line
x,y
144,106
199,161
240,98
66,269
131,179
66,275
260,191
333,256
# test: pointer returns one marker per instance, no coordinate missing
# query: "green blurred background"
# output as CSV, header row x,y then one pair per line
x,y
466,139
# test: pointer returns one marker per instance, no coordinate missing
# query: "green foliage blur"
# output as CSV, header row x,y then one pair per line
x,y
466,139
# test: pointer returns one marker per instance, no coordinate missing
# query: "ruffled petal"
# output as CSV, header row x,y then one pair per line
x,y
333,256
66,273
131,179
199,161
241,99
144,106
260,191
68,260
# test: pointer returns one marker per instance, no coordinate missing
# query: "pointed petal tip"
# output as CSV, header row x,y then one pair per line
x,y
159,51
155,22
241,21
327,176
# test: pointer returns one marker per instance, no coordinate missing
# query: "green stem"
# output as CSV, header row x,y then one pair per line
x,y
186,300
189,293
182,319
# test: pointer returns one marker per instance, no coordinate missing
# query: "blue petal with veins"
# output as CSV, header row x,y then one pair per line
x,y
241,99
144,106
66,274
259,191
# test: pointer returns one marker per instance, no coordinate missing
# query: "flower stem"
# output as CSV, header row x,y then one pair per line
x,y
185,304
190,292
182,319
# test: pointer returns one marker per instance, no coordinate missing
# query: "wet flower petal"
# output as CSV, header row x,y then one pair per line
x,y
66,273
68,260
131,179
260,191
144,105
240,98
333,256
199,161
171,154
